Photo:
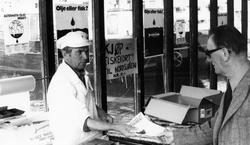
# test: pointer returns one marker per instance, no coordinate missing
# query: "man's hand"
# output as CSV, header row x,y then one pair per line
x,y
104,116
125,129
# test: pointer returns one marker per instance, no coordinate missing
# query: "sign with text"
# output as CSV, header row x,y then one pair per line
x,y
71,16
16,33
121,58
153,28
153,18
153,41
180,32
222,19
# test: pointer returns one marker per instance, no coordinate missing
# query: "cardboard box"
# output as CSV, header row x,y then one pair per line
x,y
192,104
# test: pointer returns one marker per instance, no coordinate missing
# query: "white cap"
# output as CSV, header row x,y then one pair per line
x,y
73,39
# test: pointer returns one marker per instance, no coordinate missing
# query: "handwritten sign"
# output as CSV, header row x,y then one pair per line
x,y
121,58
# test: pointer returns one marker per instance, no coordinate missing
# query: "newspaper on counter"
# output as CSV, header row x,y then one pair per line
x,y
147,130
145,126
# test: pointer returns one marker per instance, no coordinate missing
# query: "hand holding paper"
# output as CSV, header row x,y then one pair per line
x,y
125,129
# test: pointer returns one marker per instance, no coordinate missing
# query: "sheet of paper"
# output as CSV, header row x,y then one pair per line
x,y
141,122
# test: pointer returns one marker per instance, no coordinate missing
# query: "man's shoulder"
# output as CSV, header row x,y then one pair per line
x,y
59,76
59,80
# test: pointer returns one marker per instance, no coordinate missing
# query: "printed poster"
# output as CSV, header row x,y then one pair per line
x,y
180,32
153,18
16,33
71,16
121,58
153,32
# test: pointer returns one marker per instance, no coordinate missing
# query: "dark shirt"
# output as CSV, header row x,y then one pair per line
x,y
227,100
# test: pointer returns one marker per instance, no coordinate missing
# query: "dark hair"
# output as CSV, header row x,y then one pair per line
x,y
229,37
67,49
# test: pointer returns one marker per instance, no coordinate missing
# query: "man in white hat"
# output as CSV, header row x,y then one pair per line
x,y
74,117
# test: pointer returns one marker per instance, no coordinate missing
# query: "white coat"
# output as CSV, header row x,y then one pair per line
x,y
70,103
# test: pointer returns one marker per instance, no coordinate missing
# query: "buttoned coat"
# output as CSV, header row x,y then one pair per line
x,y
233,130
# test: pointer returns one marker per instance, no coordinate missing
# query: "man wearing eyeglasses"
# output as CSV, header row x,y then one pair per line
x,y
227,52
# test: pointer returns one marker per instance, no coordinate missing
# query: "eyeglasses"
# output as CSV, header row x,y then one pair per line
x,y
209,52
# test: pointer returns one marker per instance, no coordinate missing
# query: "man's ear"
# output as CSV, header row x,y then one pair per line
x,y
226,54
64,54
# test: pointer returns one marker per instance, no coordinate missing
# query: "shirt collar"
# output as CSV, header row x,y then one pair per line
x,y
79,74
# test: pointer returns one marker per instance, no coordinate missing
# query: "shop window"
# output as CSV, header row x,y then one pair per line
x,y
20,51
118,35
203,28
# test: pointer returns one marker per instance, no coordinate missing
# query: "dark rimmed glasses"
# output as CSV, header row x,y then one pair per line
x,y
209,52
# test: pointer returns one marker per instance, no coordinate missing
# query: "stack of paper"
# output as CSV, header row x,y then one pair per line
x,y
145,126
